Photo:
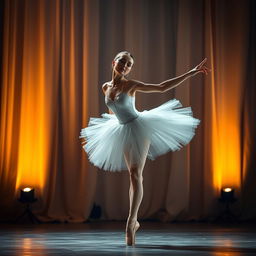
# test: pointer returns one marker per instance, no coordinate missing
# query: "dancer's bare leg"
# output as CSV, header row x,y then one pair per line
x,y
135,194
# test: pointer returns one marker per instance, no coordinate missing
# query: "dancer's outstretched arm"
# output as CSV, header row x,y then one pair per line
x,y
171,83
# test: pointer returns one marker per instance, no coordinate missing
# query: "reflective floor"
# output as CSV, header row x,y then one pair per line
x,y
107,238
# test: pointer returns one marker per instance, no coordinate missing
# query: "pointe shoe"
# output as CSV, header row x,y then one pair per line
x,y
130,232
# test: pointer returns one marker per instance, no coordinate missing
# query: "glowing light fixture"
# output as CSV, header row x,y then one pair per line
x,y
27,189
227,194
27,195
227,189
227,197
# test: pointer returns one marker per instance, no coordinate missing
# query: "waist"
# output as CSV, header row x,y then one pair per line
x,y
129,120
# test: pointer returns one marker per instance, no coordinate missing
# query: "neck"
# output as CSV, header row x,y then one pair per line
x,y
117,78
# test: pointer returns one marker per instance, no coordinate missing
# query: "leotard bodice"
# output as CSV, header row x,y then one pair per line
x,y
123,106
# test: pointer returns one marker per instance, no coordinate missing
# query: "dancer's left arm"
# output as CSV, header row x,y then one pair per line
x,y
171,83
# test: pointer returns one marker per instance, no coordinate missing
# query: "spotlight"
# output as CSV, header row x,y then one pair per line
x,y
227,195
27,196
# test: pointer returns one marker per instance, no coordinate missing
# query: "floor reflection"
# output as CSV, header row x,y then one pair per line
x,y
44,240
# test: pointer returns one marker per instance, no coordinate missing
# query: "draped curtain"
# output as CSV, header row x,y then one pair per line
x,y
55,57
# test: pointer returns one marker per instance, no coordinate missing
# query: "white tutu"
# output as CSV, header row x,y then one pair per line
x,y
167,128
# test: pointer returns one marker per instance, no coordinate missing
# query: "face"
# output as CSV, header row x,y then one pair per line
x,y
123,64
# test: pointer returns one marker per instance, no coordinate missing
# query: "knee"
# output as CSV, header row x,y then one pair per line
x,y
135,174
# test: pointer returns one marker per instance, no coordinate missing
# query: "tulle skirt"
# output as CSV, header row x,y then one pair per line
x,y
164,128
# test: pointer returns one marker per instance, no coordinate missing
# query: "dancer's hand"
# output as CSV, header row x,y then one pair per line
x,y
201,68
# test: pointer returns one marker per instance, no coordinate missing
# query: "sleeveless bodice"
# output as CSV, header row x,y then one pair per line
x,y
123,106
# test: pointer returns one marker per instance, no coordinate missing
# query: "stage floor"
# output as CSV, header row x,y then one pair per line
x,y
108,238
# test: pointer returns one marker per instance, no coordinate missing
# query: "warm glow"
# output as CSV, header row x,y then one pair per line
x,y
225,94
37,87
33,140
226,149
27,189
27,244
52,68
226,82
227,189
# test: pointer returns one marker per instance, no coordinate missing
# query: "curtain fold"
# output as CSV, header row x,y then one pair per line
x,y
55,57
248,123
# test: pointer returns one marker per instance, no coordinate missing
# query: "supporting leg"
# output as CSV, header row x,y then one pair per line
x,y
136,187
135,195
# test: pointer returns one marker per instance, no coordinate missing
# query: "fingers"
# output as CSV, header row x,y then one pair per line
x,y
205,70
202,62
201,68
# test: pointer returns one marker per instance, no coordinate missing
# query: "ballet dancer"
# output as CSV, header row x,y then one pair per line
x,y
124,138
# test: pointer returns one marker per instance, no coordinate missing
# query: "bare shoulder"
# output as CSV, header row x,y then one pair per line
x,y
132,86
105,87
135,82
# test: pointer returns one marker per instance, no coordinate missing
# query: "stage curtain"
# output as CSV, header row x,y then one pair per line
x,y
55,57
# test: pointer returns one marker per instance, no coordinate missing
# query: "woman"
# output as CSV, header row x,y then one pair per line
x,y
125,137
